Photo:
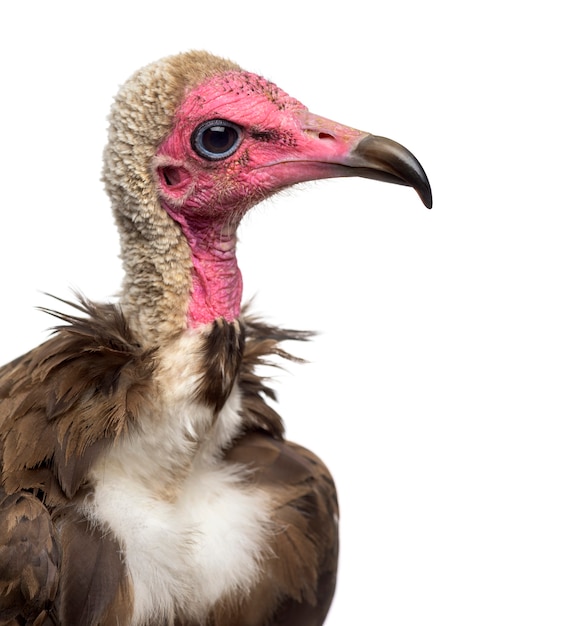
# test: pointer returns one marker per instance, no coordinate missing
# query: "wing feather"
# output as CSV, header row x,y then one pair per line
x,y
95,588
29,559
300,577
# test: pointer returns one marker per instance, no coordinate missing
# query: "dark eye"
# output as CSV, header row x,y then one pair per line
x,y
216,139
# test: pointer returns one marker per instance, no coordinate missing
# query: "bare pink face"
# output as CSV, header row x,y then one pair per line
x,y
276,142
238,138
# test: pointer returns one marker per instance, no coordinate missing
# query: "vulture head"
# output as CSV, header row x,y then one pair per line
x,y
194,143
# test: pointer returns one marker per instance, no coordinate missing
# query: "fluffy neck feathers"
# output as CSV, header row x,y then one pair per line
x,y
156,257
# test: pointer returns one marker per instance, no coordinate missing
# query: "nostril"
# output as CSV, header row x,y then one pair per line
x,y
315,133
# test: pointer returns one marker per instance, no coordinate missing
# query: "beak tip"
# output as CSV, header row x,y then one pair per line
x,y
420,182
426,197
383,159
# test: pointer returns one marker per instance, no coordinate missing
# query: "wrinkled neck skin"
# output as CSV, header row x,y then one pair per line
x,y
216,279
217,284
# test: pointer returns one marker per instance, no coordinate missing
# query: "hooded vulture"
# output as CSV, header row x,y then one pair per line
x,y
145,477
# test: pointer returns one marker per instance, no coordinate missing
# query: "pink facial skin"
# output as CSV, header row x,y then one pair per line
x,y
282,144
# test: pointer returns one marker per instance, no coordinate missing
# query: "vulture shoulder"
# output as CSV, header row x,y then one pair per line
x,y
62,401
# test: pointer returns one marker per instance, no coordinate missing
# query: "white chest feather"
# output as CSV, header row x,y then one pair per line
x,y
186,554
191,530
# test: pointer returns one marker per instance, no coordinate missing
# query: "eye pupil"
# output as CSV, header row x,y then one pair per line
x,y
216,139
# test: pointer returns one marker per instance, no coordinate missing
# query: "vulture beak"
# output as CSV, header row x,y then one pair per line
x,y
334,150
387,160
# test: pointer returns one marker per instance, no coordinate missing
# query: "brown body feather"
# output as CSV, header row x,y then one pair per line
x,y
64,402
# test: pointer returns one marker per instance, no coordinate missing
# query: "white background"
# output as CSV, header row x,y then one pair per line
x,y
434,391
